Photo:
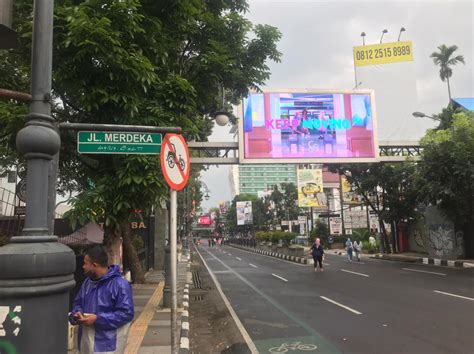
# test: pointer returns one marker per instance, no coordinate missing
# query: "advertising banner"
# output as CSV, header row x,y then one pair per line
x,y
204,220
306,126
335,226
244,213
310,188
385,53
349,197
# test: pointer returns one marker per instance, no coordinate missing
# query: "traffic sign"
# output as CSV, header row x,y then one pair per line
x,y
92,142
175,161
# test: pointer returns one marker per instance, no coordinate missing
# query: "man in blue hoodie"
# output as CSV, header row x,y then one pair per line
x,y
103,307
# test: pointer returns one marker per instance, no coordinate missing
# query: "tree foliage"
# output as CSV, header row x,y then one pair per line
x,y
447,172
142,63
445,59
388,189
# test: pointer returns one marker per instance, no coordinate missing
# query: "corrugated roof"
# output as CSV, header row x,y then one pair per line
x,y
466,103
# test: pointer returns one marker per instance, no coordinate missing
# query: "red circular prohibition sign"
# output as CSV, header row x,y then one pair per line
x,y
174,157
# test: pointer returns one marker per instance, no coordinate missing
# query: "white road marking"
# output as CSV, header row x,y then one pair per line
x,y
423,271
222,271
361,274
341,305
274,258
279,277
253,265
449,294
239,258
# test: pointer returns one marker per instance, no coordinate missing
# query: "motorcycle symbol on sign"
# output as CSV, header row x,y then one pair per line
x,y
171,158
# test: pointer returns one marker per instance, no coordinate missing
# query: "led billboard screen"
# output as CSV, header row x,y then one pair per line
x,y
308,126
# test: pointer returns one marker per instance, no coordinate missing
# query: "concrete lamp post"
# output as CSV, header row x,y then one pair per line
x,y
36,272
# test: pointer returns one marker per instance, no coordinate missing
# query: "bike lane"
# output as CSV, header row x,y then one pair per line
x,y
272,328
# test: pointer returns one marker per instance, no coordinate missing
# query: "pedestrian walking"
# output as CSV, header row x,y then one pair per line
x,y
349,249
317,251
103,307
357,249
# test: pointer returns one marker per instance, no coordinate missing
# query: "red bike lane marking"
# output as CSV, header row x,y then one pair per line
x,y
181,172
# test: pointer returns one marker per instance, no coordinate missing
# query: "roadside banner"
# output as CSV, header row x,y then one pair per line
x,y
349,197
310,188
244,213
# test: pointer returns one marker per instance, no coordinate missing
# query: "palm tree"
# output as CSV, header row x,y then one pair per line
x,y
444,58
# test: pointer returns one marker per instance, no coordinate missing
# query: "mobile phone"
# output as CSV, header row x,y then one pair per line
x,y
73,319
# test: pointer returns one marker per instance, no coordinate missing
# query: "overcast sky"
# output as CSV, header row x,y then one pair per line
x,y
316,46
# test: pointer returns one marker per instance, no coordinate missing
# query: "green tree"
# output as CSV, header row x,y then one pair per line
x,y
258,213
388,189
445,59
290,200
447,173
135,62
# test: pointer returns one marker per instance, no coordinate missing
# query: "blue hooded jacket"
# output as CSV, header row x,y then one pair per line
x,y
110,298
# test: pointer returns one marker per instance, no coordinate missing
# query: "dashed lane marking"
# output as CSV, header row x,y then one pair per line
x,y
356,273
423,271
341,305
239,258
252,265
454,295
285,280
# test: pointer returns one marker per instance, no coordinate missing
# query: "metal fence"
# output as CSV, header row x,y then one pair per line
x,y
10,223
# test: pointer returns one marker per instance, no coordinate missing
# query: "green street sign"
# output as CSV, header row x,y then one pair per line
x,y
118,143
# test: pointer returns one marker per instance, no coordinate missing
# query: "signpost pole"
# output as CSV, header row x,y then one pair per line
x,y
173,257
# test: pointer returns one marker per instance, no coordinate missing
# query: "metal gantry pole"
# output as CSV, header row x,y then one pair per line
x,y
36,272
173,257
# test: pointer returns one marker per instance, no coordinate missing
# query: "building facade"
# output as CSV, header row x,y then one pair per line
x,y
250,179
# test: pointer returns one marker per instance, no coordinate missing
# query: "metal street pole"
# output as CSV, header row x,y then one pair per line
x,y
36,272
173,257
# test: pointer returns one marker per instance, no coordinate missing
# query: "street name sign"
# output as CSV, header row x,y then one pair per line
x,y
93,142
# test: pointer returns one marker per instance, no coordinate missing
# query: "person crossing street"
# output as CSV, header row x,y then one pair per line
x,y
317,251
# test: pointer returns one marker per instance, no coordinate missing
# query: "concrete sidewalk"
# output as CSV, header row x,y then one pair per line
x,y
412,258
151,329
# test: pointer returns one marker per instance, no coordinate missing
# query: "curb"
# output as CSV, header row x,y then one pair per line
x,y
447,263
184,334
425,260
285,257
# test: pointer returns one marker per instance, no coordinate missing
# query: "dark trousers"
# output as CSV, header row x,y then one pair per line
x,y
318,259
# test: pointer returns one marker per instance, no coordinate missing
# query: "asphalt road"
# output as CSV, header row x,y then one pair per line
x,y
369,307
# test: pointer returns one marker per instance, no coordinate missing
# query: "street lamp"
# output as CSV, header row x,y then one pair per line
x,y
363,38
36,271
222,117
383,32
423,115
399,34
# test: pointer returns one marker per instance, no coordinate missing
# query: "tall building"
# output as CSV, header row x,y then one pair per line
x,y
250,179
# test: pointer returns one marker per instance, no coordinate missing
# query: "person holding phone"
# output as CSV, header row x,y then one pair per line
x,y
103,307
